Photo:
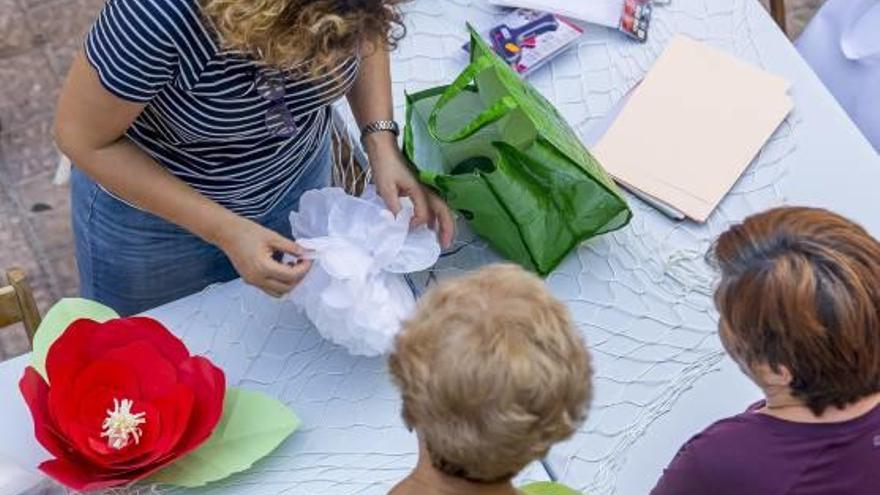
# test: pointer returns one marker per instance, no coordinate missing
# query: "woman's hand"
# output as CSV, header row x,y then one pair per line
x,y
370,100
252,249
394,178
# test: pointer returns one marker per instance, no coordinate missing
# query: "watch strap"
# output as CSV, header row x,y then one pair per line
x,y
380,126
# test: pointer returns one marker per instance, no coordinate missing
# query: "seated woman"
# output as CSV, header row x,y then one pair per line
x,y
800,313
492,374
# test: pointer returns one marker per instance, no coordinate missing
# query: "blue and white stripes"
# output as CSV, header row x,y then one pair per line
x,y
204,120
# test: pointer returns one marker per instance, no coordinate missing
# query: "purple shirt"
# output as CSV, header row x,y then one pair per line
x,y
757,454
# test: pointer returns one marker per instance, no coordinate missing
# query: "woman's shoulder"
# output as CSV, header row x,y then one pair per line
x,y
728,457
746,431
730,434
171,26
159,40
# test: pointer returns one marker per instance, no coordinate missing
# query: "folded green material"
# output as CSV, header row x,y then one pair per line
x,y
504,157
547,488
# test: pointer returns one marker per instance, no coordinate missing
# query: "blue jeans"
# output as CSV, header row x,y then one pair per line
x,y
132,260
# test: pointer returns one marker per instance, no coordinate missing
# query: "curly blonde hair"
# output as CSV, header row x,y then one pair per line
x,y
492,372
311,35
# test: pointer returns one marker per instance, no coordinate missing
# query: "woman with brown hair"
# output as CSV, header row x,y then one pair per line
x,y
195,126
799,300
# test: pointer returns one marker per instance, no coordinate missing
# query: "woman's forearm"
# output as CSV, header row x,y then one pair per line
x,y
129,173
90,129
370,97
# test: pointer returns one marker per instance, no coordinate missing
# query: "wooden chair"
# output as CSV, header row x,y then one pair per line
x,y
17,303
777,11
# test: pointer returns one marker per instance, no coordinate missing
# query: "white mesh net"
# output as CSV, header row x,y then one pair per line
x,y
642,296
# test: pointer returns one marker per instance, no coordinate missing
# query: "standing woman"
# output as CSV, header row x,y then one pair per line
x,y
196,125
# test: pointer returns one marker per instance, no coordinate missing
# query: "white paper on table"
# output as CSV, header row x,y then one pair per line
x,y
355,294
602,12
692,126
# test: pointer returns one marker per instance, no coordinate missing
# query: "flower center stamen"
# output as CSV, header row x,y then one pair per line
x,y
121,424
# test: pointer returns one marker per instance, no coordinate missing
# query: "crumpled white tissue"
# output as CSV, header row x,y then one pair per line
x,y
355,293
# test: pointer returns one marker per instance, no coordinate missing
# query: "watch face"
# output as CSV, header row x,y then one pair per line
x,y
383,125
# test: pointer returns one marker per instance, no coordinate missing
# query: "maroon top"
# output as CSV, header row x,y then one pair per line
x,y
756,454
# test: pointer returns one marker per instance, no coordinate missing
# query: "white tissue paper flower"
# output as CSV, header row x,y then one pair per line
x,y
355,293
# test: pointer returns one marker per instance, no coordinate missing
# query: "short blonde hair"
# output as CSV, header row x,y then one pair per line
x,y
492,373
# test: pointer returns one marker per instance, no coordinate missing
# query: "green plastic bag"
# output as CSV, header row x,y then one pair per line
x,y
504,157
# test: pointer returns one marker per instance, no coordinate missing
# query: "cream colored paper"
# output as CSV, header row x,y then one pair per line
x,y
692,127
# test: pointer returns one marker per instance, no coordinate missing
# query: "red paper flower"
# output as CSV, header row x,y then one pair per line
x,y
124,398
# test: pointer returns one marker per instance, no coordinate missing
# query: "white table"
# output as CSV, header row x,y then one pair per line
x,y
642,296
352,439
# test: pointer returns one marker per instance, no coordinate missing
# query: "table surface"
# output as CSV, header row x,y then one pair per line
x,y
641,296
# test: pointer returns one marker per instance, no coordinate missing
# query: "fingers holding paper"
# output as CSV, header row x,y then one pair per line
x,y
394,180
443,224
252,250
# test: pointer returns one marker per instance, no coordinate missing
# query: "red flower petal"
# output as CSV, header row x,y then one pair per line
x,y
93,406
155,373
69,353
176,411
117,380
126,330
133,455
36,394
181,401
86,340
208,383
78,419
130,358
80,477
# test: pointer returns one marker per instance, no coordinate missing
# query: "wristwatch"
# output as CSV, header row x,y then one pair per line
x,y
380,126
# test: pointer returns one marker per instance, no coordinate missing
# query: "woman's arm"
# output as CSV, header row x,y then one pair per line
x,y
370,100
90,129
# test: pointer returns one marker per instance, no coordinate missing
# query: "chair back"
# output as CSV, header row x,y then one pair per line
x,y
777,11
17,303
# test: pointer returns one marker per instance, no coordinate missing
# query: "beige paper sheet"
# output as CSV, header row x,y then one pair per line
x,y
693,126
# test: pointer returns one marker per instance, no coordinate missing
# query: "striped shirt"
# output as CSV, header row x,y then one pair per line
x,y
205,119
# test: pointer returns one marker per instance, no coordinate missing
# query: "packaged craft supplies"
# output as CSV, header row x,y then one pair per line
x,y
631,17
503,156
527,39
355,294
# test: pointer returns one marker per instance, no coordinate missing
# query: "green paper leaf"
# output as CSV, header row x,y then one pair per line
x,y
56,321
548,488
252,426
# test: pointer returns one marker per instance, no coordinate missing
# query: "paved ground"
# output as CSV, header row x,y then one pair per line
x,y
37,40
